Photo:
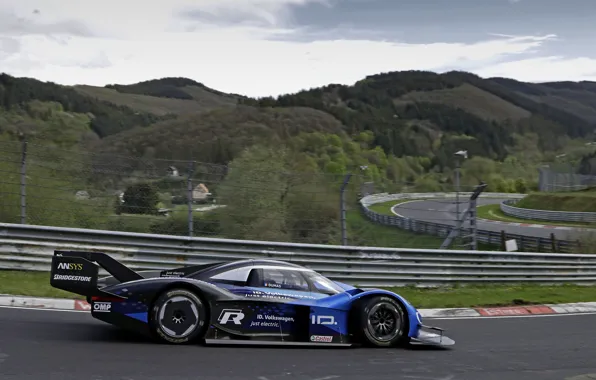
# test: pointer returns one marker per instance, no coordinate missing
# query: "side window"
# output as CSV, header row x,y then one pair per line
x,y
236,276
323,284
284,279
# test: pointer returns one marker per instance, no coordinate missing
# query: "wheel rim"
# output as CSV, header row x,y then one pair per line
x,y
178,317
384,321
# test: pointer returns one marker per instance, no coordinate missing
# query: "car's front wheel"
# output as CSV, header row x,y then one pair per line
x,y
178,316
381,322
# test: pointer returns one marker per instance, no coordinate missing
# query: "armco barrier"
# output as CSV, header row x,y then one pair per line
x,y
28,247
553,216
524,243
386,197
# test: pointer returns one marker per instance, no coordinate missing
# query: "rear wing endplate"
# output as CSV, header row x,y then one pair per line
x,y
76,272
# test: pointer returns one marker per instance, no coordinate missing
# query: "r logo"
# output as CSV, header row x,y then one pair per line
x,y
233,315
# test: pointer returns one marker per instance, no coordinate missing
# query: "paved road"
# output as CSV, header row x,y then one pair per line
x,y
48,345
444,211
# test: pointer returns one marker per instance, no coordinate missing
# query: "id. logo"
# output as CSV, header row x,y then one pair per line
x,y
228,315
323,320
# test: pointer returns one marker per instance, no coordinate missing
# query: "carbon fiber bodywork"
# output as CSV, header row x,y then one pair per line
x,y
236,309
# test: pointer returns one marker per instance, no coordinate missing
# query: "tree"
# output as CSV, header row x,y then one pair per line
x,y
270,194
521,186
253,193
140,198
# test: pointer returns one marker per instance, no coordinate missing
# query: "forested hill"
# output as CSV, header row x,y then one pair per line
x,y
410,114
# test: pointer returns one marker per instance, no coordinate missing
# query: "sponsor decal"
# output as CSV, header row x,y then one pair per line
x,y
323,320
231,315
276,295
270,320
321,338
102,307
70,266
172,274
66,277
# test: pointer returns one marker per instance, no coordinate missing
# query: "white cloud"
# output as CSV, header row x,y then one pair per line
x,y
544,69
134,41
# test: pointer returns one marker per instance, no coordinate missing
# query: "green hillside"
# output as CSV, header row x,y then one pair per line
x,y
162,96
397,130
414,114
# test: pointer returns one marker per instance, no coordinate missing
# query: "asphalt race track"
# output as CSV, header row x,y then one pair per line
x,y
55,345
444,211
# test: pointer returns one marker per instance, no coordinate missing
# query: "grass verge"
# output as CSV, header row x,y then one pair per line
x,y
496,295
578,201
35,284
38,284
363,232
493,212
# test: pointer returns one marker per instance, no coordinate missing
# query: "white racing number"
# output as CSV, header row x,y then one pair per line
x,y
233,315
323,320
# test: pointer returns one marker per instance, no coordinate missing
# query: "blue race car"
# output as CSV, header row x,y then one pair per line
x,y
247,301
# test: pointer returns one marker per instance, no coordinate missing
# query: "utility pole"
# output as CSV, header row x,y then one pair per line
x,y
458,154
342,200
189,191
23,180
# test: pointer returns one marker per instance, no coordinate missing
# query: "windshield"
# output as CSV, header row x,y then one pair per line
x,y
323,284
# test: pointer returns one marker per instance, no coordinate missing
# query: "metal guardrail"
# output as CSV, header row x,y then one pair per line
x,y
525,243
553,216
29,247
386,197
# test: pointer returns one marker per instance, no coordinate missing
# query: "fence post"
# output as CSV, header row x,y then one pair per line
x,y
24,182
189,189
342,200
503,240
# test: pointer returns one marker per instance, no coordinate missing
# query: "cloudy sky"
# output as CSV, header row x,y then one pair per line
x,y
269,47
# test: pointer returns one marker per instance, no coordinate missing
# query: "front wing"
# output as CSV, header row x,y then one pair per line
x,y
431,338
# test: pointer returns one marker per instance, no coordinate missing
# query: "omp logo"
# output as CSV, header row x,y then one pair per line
x,y
228,315
70,266
102,307
323,320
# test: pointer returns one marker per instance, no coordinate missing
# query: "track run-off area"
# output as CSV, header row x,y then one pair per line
x,y
68,345
443,211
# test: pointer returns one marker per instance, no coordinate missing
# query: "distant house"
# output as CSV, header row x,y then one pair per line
x,y
173,172
200,193
82,194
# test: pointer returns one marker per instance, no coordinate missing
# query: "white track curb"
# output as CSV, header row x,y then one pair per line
x,y
581,307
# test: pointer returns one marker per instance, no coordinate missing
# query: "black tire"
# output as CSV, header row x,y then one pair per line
x,y
178,316
381,322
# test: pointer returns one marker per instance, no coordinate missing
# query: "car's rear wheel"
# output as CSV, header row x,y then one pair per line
x,y
178,316
381,322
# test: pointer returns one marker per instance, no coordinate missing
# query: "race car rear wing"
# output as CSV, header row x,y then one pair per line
x,y
76,272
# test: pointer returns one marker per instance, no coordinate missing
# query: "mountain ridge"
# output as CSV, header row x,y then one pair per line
x,y
410,113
